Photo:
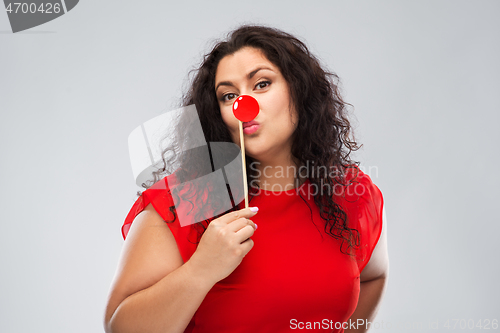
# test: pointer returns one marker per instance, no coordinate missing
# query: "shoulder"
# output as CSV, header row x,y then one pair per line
x,y
156,207
149,228
360,185
359,195
159,200
363,203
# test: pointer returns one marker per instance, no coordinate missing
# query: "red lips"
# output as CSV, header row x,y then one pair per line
x,y
250,123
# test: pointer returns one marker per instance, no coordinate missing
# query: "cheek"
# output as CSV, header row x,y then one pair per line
x,y
295,119
229,119
286,117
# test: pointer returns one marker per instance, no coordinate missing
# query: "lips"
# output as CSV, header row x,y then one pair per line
x,y
250,123
250,127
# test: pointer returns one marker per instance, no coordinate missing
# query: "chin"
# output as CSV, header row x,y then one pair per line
x,y
257,154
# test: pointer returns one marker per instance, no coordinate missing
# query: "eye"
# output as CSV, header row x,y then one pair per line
x,y
227,97
262,84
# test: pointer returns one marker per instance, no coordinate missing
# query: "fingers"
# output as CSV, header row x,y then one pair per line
x,y
239,224
241,228
246,246
238,227
244,234
233,216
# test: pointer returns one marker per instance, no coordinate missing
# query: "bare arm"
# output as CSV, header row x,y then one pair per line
x,y
154,291
373,283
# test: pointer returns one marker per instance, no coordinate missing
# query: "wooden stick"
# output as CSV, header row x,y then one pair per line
x,y
242,144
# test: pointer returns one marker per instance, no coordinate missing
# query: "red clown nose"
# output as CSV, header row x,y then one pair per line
x,y
245,108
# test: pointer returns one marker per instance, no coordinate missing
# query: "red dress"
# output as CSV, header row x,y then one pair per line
x,y
295,276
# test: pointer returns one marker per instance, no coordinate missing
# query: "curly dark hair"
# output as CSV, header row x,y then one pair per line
x,y
323,136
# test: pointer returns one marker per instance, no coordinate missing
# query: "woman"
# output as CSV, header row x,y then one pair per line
x,y
318,259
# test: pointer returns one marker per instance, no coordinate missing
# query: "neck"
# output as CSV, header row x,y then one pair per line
x,y
277,174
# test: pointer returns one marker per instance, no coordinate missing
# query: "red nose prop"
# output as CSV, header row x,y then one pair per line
x,y
245,108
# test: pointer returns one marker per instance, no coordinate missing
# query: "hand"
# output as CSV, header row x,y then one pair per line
x,y
223,245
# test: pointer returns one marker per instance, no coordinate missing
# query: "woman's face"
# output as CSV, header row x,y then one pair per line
x,y
249,72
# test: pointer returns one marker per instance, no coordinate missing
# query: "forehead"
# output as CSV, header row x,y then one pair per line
x,y
241,63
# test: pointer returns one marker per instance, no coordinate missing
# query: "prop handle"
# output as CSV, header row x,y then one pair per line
x,y
242,144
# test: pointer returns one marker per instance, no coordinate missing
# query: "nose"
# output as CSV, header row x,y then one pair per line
x,y
245,108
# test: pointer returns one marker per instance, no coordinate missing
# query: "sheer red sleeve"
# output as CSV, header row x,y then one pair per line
x,y
160,198
363,202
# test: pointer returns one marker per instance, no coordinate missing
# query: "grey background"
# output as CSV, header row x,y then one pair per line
x,y
423,77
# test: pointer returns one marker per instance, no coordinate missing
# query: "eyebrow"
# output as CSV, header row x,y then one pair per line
x,y
249,76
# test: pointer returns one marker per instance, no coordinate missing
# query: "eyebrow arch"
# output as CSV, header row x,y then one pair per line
x,y
249,76
252,73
